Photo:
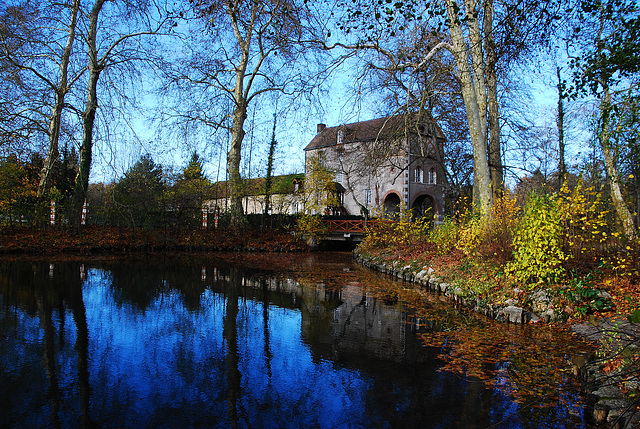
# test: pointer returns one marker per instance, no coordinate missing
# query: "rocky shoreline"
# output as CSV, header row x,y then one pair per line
x,y
607,404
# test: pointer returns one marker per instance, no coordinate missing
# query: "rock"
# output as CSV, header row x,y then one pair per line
x,y
529,317
599,414
511,314
443,287
541,303
511,302
605,295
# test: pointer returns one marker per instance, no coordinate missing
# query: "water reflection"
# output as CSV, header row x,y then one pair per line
x,y
205,343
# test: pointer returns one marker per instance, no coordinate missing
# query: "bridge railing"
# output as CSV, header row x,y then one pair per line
x,y
351,226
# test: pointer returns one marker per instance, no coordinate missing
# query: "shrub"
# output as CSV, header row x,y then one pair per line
x,y
312,225
446,236
537,239
401,231
583,218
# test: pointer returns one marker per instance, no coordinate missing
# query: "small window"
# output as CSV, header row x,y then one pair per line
x,y
367,197
340,137
339,177
418,175
432,176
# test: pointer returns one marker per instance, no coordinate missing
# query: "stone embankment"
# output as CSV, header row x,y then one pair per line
x,y
541,309
607,405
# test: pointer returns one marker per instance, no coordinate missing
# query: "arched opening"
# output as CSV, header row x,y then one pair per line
x,y
423,207
392,204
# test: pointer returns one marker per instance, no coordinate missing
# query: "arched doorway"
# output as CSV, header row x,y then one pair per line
x,y
424,206
392,204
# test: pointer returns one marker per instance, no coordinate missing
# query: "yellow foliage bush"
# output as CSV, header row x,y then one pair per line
x,y
537,239
480,235
399,231
584,220
312,225
446,236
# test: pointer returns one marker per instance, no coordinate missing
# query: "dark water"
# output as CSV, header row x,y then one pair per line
x,y
276,342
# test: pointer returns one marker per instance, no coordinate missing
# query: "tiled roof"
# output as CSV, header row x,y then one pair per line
x,y
366,131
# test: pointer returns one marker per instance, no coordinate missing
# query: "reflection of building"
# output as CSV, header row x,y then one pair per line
x,y
339,323
381,163
360,325
285,195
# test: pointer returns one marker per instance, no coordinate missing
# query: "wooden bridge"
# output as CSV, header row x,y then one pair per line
x,y
346,231
345,226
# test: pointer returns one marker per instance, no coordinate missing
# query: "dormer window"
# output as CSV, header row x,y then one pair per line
x,y
340,138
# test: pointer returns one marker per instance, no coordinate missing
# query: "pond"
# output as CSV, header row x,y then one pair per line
x,y
273,341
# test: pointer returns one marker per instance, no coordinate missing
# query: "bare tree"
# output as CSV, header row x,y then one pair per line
x,y
117,46
606,63
60,89
37,47
251,48
482,39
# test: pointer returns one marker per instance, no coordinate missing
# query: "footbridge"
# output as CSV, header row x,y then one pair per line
x,y
343,231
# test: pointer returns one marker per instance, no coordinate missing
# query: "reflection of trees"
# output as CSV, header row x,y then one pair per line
x,y
49,359
142,281
344,342
44,289
230,334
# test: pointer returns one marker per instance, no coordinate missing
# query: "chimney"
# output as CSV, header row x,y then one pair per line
x,y
321,128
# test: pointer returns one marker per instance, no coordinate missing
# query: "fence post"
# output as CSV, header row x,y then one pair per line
x,y
204,217
53,212
83,220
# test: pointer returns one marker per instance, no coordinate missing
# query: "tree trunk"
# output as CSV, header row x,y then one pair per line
x,y
476,111
495,158
88,117
267,182
56,116
562,168
624,215
233,162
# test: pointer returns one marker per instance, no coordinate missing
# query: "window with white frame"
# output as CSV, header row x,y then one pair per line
x,y
432,176
418,175
340,138
367,197
339,177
